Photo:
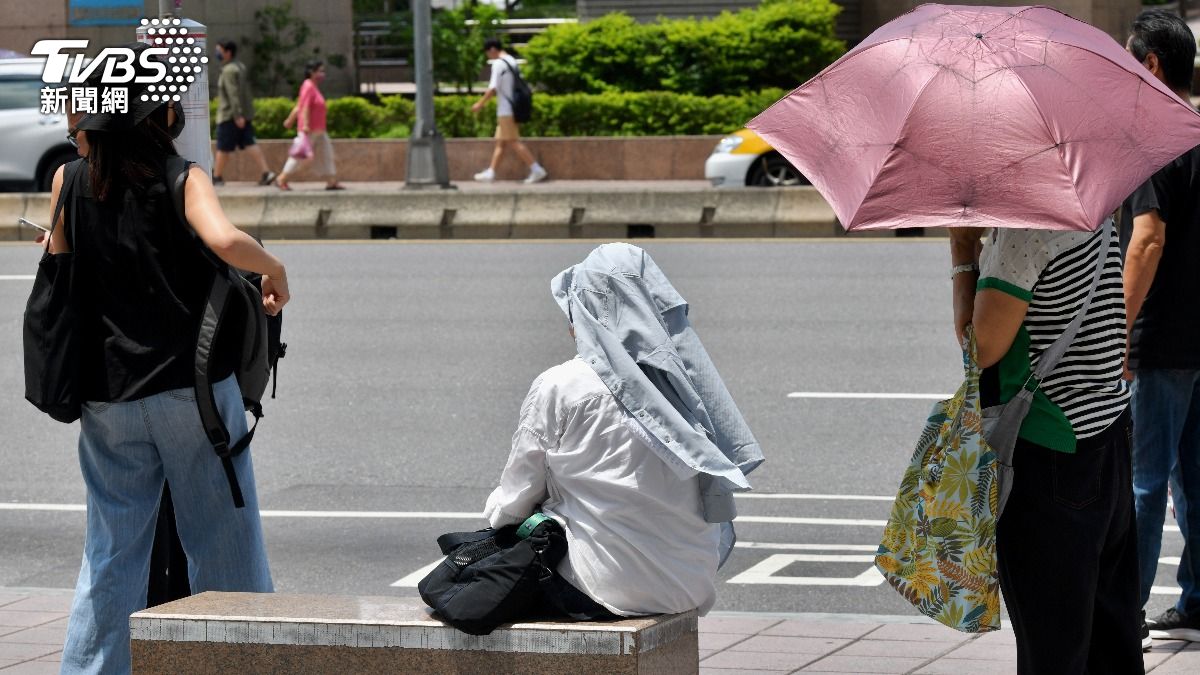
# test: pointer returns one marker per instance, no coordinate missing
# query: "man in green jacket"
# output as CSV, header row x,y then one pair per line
x,y
235,115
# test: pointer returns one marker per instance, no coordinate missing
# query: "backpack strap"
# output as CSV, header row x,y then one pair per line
x,y
515,73
215,308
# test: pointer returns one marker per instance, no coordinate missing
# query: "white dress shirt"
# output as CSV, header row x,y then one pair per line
x,y
637,541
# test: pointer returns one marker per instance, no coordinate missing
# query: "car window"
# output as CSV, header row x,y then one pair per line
x,y
20,93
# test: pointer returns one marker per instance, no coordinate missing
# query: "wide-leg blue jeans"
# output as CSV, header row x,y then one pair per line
x,y
126,451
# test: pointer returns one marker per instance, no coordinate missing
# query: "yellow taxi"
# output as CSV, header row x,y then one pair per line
x,y
744,158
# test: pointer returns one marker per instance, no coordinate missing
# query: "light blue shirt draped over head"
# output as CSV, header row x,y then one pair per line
x,y
631,326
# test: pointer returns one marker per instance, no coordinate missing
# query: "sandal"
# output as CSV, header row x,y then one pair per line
x,y
283,186
335,186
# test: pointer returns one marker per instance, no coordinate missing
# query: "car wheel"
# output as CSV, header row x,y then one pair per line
x,y
772,170
50,164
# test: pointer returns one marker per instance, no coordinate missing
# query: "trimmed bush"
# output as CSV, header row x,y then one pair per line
x,y
269,114
645,113
353,117
781,43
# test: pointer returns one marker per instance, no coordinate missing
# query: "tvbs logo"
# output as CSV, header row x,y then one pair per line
x,y
166,70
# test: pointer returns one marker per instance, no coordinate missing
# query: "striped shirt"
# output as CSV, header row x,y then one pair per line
x,y
1053,272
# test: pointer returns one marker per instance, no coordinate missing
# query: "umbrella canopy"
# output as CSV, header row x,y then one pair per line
x,y
980,116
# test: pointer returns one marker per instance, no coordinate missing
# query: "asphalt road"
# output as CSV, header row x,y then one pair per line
x,y
408,361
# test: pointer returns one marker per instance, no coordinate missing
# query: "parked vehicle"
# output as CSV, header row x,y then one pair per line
x,y
35,145
744,158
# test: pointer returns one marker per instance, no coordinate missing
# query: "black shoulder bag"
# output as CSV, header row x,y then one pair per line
x,y
494,576
51,335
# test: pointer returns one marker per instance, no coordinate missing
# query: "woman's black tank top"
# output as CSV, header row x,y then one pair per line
x,y
144,285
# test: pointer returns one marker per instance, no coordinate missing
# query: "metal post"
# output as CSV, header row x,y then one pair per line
x,y
427,166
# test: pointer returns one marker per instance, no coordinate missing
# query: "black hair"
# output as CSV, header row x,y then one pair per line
x,y
492,43
128,158
229,46
311,67
1168,37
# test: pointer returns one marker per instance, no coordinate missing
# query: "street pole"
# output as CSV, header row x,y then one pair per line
x,y
427,166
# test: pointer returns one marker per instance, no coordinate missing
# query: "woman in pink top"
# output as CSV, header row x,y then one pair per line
x,y
310,113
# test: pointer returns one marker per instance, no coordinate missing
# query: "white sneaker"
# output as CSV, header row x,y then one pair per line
x,y
536,174
485,176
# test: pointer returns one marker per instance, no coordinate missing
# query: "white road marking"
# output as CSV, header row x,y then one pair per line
x,y
1165,590
764,572
782,495
411,580
416,515
872,395
16,277
413,515
805,547
790,520
467,515
1169,560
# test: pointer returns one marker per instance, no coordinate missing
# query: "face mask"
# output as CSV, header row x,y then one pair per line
x,y
217,53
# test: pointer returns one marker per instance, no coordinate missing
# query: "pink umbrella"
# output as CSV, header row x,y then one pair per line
x,y
981,116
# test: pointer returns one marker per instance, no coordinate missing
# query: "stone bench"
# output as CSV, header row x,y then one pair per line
x,y
280,633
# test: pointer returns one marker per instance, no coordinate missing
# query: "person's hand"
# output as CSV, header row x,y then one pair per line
x,y
275,294
307,130
42,239
476,107
240,122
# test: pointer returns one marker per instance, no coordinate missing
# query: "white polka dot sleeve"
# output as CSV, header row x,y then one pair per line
x,y
1013,259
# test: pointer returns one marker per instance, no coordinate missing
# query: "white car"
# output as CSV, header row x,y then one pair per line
x,y
34,145
745,159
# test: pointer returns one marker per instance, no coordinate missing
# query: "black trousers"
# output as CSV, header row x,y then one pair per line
x,y
1067,549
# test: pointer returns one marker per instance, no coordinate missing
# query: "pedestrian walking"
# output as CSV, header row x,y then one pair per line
x,y
1066,541
235,116
508,131
144,281
1162,282
312,137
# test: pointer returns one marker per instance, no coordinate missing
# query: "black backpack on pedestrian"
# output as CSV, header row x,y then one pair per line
x,y
234,306
522,95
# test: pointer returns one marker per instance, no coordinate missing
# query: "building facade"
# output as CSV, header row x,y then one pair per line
x,y
110,22
860,17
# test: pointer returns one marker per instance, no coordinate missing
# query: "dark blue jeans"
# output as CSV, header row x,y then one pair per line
x,y
1166,446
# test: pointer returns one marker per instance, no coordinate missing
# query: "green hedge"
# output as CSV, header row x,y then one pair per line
x,y
650,113
781,43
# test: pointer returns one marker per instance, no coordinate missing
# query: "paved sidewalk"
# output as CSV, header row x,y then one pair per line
x,y
34,621
500,186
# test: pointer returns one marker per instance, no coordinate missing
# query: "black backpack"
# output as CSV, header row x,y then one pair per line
x,y
522,95
234,304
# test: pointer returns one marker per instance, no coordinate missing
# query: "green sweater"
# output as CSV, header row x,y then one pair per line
x,y
233,93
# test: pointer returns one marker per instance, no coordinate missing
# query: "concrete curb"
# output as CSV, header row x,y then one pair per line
x,y
619,211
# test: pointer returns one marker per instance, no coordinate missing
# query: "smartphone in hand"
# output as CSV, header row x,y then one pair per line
x,y
30,223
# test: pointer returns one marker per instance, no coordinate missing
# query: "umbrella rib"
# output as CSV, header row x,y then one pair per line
x,y
1102,56
894,144
1057,142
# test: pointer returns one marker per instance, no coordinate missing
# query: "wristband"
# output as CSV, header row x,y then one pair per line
x,y
969,267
